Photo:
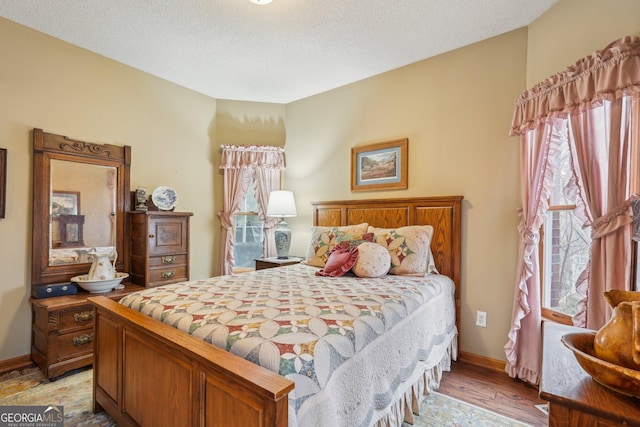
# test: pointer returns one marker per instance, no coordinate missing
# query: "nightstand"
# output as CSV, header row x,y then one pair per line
x,y
262,263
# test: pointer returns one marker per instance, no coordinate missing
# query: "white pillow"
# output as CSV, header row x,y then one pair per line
x,y
373,260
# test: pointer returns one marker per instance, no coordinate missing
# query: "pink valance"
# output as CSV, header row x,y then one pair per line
x,y
606,74
252,156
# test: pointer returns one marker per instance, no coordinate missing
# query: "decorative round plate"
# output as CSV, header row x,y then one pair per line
x,y
165,198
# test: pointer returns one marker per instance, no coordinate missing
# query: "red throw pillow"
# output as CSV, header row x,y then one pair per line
x,y
339,262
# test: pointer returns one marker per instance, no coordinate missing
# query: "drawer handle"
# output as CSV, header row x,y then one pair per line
x,y
82,339
151,236
170,259
168,274
83,316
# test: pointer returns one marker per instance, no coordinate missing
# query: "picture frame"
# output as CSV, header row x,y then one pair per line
x,y
3,181
380,166
65,203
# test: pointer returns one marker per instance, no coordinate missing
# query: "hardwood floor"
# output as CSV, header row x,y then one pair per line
x,y
494,390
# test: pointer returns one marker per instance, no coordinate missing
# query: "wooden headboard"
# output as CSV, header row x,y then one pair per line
x,y
443,213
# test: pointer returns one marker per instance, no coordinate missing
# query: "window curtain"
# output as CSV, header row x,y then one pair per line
x,y
241,163
605,175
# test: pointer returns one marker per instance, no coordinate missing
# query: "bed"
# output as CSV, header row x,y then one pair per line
x,y
147,372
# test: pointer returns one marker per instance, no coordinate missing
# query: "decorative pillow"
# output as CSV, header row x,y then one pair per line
x,y
339,262
354,243
373,260
324,239
409,248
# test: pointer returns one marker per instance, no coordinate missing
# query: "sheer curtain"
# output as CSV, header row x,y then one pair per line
x,y
241,164
596,105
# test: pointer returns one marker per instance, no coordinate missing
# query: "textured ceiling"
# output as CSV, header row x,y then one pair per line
x,y
280,52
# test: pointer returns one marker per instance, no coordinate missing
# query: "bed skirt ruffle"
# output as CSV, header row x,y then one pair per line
x,y
407,407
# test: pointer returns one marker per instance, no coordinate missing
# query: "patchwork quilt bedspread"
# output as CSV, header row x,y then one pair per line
x,y
346,342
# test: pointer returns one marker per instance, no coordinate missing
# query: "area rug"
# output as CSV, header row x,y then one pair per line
x,y
439,410
74,393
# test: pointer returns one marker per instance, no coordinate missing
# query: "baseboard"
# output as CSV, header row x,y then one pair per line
x,y
17,363
486,362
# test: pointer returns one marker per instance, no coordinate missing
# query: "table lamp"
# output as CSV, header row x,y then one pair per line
x,y
281,204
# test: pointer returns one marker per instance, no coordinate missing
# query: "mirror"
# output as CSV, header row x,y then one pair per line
x,y
80,196
82,211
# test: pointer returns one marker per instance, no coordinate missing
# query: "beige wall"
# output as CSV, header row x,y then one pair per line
x,y
455,109
174,133
573,29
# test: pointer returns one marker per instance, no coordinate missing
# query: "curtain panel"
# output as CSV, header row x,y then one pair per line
x,y
594,105
241,164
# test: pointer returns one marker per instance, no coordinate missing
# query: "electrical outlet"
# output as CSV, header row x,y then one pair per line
x,y
481,318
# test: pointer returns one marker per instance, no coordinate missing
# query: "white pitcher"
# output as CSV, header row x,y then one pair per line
x,y
102,268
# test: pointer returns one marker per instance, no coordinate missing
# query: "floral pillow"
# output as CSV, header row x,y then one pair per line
x,y
409,248
373,260
324,239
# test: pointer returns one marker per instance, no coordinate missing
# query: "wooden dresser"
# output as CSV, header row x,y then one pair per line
x,y
159,247
62,331
575,399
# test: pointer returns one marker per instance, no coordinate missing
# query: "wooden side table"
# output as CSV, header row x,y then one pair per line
x,y
262,263
576,399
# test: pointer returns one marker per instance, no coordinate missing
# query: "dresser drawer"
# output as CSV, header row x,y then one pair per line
x,y
75,318
161,276
168,260
75,344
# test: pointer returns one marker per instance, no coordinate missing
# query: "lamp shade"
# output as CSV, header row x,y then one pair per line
x,y
281,204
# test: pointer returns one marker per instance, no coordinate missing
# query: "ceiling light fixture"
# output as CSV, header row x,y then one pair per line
x,y
261,2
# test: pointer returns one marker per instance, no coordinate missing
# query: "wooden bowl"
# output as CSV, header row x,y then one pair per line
x,y
615,377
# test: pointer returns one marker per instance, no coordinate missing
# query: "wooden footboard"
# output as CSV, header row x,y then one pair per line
x,y
147,373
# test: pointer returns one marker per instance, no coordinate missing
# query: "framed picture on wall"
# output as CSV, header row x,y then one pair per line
x,y
380,166
65,203
3,181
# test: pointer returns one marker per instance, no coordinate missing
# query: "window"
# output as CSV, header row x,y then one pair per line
x,y
248,230
565,248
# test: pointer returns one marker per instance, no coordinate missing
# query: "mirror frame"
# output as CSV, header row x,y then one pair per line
x,y
47,147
